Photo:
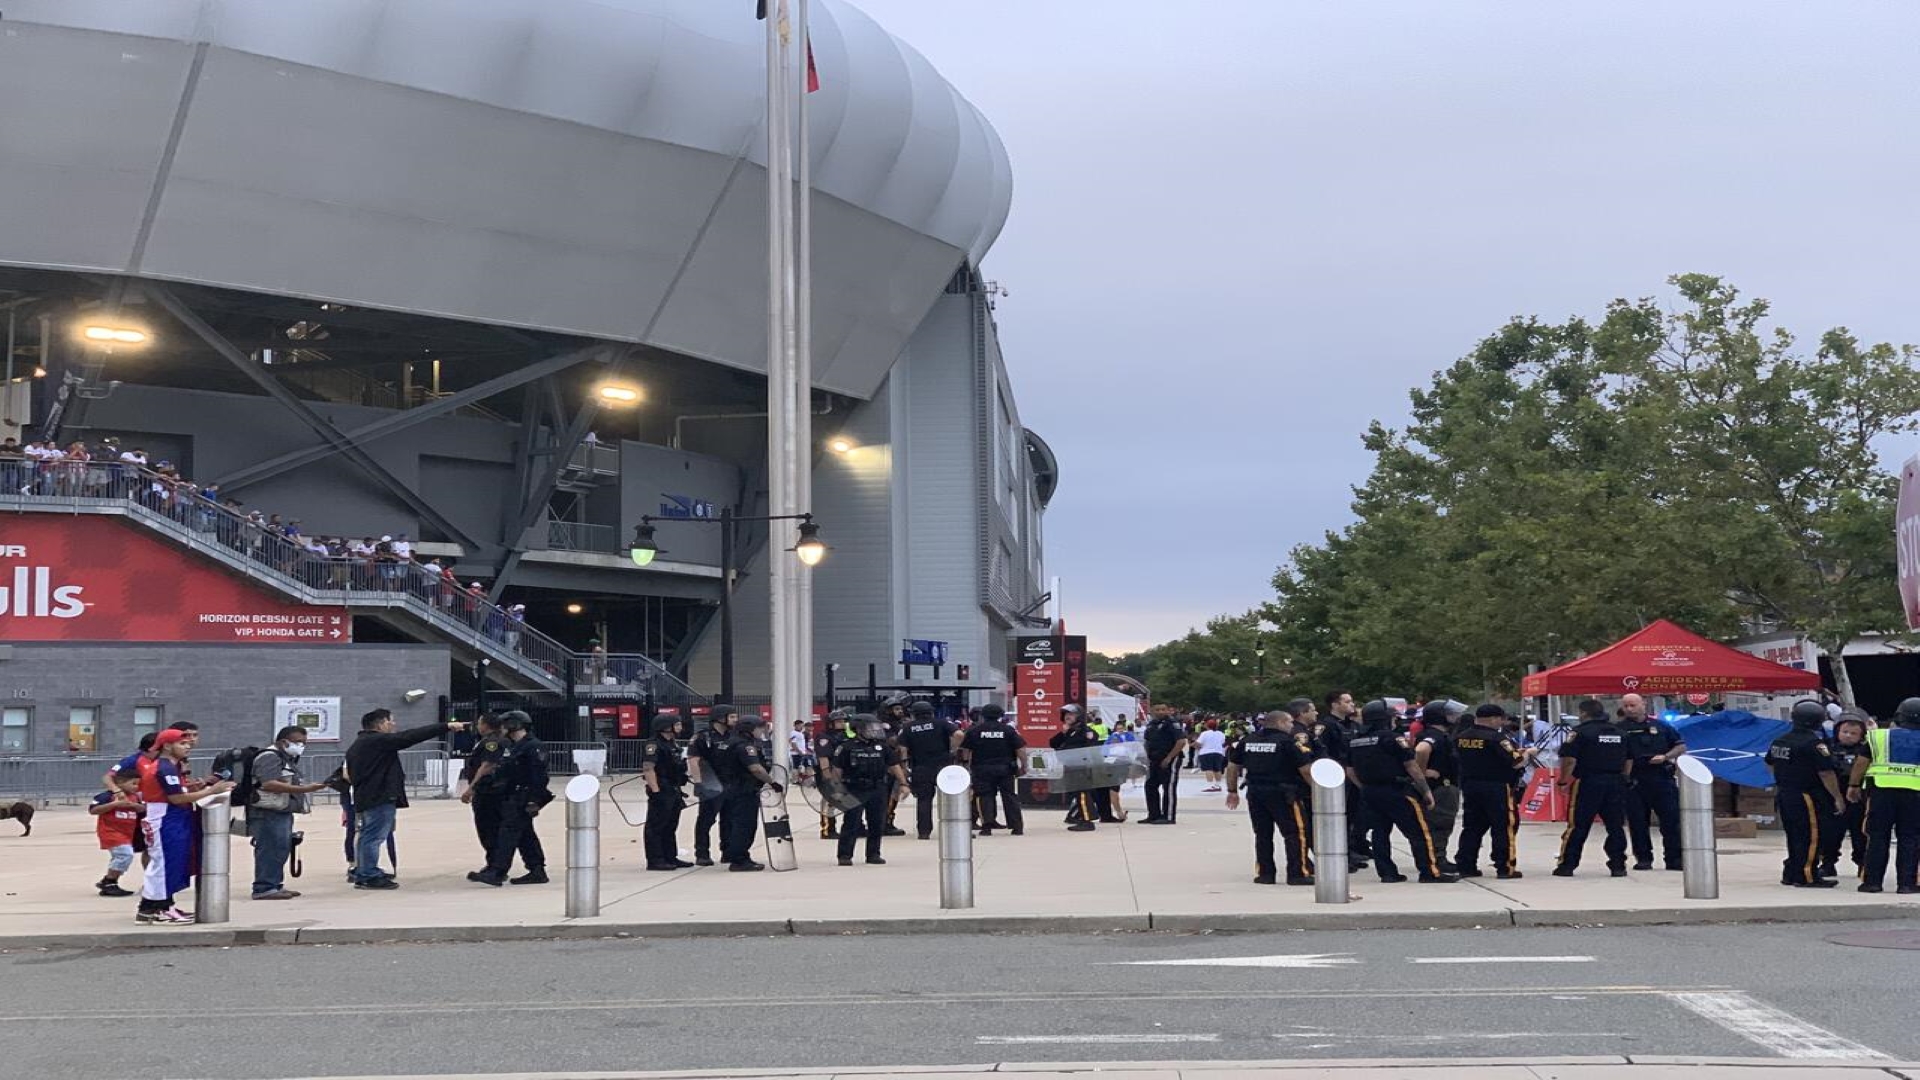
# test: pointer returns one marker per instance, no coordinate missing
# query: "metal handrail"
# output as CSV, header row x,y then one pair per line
x,y
161,503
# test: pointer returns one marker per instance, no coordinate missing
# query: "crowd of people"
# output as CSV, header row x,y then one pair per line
x,y
383,563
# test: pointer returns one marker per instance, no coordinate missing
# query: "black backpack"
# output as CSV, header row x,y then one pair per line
x,y
236,764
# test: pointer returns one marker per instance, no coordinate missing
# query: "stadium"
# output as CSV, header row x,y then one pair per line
x,y
472,297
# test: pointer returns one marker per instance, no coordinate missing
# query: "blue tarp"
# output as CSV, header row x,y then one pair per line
x,y
1733,744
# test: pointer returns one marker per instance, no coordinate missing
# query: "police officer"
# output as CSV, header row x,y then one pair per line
x,y
1083,807
863,765
709,779
524,790
1655,790
1342,723
929,743
1433,751
837,730
482,793
1848,742
743,772
1806,794
1165,741
991,749
1489,761
1396,794
1888,777
893,713
1595,760
664,774
1275,761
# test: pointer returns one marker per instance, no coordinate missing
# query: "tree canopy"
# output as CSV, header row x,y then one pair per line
x,y
1565,483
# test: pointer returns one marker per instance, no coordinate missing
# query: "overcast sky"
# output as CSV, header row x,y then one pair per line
x,y
1244,228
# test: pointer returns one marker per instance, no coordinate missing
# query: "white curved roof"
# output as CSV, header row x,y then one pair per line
x,y
584,166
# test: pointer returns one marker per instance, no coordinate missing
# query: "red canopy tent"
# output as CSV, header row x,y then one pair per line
x,y
1666,658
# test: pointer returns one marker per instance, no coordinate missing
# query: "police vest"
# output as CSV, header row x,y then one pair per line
x,y
866,764
1896,758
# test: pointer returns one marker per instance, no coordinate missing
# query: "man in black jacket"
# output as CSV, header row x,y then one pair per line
x,y
380,788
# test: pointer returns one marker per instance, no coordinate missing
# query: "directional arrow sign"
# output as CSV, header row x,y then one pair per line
x,y
1300,960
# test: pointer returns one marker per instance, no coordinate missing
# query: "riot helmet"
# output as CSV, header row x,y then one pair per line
x,y
921,708
991,712
665,723
870,727
1377,714
1908,715
1436,714
722,714
1808,715
747,724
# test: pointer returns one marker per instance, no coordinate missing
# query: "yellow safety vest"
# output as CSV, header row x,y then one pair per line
x,y
1884,772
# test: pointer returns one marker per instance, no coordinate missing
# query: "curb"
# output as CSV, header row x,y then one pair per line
x,y
1187,923
1660,1065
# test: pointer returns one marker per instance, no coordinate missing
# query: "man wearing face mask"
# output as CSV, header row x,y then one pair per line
x,y
282,793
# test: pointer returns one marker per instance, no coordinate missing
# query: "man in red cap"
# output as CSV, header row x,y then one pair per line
x,y
169,827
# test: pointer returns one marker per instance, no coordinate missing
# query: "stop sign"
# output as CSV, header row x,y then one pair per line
x,y
1906,533
1697,699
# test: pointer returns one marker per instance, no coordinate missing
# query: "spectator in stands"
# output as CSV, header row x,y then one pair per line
x,y
516,620
403,548
380,788
12,465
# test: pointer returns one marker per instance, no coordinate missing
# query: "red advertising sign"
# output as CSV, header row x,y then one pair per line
x,y
86,578
1048,673
1906,535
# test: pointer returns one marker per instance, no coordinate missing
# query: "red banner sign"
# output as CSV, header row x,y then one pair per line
x,y
86,578
1048,673
1906,534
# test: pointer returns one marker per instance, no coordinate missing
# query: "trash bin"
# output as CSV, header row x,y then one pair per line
x,y
590,762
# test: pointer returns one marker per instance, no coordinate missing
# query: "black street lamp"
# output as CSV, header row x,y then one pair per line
x,y
808,548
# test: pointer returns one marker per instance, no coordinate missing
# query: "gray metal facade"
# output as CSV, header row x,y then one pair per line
x,y
227,689
583,166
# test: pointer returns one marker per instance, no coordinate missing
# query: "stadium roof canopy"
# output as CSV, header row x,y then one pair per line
x,y
589,167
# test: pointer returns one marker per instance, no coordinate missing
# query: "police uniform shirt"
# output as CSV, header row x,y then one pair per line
x,y
661,753
524,766
1797,760
1330,740
1597,748
862,764
992,744
1845,756
1647,738
1074,738
1272,758
742,753
928,741
1161,736
1484,753
707,746
1441,758
1380,756
489,749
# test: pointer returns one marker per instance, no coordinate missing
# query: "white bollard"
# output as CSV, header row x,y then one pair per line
x,y
1329,832
1699,849
212,888
583,847
956,837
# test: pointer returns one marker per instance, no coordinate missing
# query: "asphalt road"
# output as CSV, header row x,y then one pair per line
x,y
1747,991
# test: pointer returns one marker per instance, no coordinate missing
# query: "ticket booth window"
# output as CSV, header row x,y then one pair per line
x,y
15,725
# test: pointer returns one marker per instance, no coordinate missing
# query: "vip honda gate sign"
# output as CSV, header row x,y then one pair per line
x,y
87,578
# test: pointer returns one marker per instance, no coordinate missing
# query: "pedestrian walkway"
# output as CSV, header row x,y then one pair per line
x,y
1194,876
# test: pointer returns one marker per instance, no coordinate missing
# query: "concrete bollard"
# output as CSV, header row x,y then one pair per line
x,y
212,888
1329,833
583,847
1699,849
956,837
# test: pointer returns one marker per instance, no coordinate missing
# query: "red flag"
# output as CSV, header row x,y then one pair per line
x,y
813,73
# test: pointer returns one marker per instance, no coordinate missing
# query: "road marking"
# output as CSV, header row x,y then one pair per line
x,y
226,1013
1449,1036
1499,959
1298,960
1148,1037
1783,1033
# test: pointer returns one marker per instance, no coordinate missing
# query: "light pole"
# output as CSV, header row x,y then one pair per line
x,y
807,547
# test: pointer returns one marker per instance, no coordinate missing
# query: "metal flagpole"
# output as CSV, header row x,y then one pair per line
x,y
782,337
803,384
